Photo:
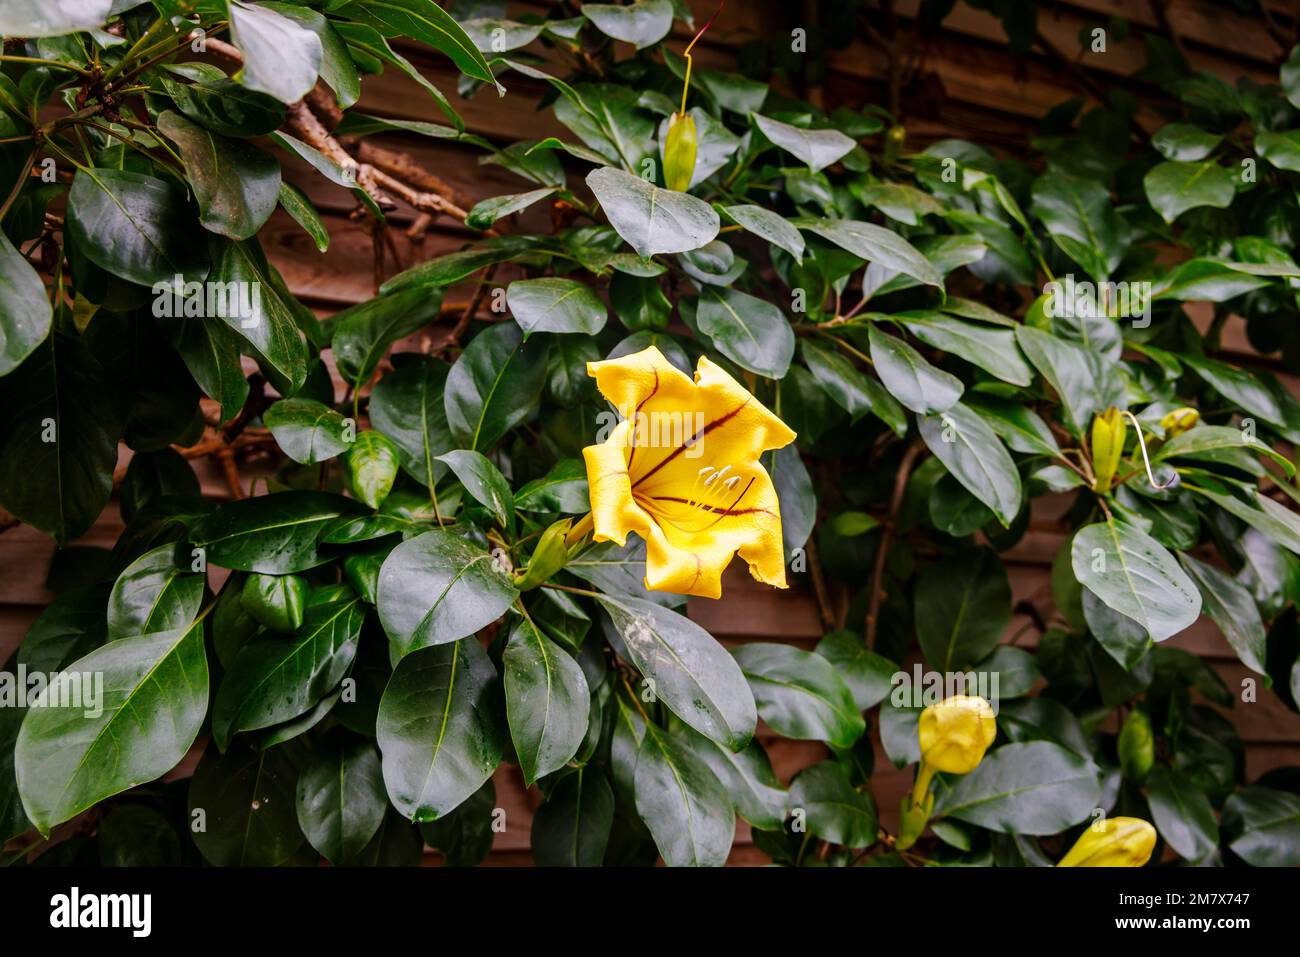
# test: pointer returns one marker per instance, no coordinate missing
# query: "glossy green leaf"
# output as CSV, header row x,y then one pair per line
x,y
274,534
975,456
134,226
769,226
650,219
1081,221
835,810
1182,814
547,701
869,676
1232,608
641,23
308,431
488,211
276,678
909,377
336,67
494,385
465,836
484,481
749,331
363,333
876,244
407,406
571,827
438,728
211,353
247,802
265,318
142,701
281,58
747,777
817,148
801,695
1032,788
341,799
562,489
620,570
276,602
555,305
1281,149
639,301
1174,186
1262,827
236,184
1134,575
437,588
52,18
682,803
58,446
25,312
425,21
372,465
154,593
993,350
962,607
368,42
1086,382
687,669
1210,438
1184,141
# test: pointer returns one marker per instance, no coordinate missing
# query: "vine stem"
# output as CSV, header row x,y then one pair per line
x,y
18,184
686,82
886,538
52,64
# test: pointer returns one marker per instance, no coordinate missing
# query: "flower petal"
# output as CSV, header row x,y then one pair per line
x,y
752,427
708,526
629,381
614,512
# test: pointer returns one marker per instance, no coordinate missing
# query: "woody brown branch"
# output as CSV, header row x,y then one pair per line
x,y
378,170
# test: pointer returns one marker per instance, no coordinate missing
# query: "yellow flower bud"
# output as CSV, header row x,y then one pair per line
x,y
955,733
1118,842
1108,433
679,152
1179,421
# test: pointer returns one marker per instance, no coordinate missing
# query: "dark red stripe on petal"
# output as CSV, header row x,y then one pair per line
x,y
692,441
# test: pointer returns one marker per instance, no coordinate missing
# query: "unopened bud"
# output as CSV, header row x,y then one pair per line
x,y
679,152
1108,433
1119,842
1179,421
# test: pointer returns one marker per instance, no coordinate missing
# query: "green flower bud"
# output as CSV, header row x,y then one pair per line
x,y
550,555
679,152
1137,746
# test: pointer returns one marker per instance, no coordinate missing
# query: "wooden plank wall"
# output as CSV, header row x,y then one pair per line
x,y
965,85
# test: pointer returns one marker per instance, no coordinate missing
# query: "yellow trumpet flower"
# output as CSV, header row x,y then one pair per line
x,y
682,470
956,732
1118,842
